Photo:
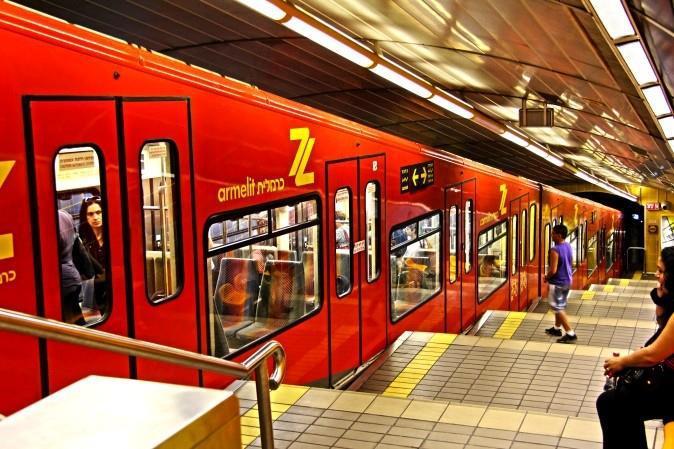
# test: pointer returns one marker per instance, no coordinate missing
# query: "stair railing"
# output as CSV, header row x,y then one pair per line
x,y
257,363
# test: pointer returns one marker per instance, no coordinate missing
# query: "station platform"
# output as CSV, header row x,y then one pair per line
x,y
505,385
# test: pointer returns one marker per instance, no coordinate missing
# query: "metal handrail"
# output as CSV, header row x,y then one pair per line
x,y
55,330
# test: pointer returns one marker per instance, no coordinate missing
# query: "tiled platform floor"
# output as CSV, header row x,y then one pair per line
x,y
318,418
593,331
605,309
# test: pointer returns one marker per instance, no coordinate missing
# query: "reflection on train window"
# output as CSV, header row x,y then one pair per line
x,y
491,256
585,230
266,280
592,254
513,244
532,232
610,250
343,242
453,243
468,236
572,240
523,243
83,236
415,264
546,246
161,220
581,244
373,230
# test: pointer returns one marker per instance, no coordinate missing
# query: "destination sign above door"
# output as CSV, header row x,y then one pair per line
x,y
418,176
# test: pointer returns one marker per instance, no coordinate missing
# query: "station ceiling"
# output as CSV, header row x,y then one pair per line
x,y
490,53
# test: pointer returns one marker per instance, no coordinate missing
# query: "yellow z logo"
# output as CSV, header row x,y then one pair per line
x,y
504,192
302,156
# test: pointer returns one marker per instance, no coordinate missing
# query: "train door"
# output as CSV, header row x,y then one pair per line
x,y
517,266
523,253
160,219
461,278
355,286
73,147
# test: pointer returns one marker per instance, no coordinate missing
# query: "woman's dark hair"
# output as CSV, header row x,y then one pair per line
x,y
86,233
667,256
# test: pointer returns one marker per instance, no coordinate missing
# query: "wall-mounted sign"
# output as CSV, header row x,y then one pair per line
x,y
652,229
652,206
415,177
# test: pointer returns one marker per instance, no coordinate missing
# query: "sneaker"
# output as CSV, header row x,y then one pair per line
x,y
567,338
554,331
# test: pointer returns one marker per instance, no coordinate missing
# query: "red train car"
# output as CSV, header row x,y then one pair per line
x,y
217,216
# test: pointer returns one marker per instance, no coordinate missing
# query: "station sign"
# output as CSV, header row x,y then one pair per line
x,y
652,206
418,176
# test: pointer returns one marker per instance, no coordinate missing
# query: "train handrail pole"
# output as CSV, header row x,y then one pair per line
x,y
643,258
257,363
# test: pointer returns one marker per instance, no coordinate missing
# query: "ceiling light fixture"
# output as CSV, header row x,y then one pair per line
x,y
452,104
394,75
266,8
604,185
667,124
656,99
331,43
635,57
612,14
514,138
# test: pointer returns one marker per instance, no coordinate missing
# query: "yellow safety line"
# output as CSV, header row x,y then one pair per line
x,y
410,377
608,288
624,282
510,325
587,295
637,275
281,400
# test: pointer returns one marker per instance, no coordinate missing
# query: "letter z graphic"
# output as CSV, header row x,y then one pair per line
x,y
302,156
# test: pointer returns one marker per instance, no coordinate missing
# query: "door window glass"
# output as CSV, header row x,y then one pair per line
x,y
546,246
592,254
453,243
491,256
572,240
343,241
532,232
468,236
83,236
161,220
372,230
523,242
266,281
415,264
513,244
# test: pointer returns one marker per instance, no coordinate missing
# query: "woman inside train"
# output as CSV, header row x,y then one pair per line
x,y
623,410
91,233
489,267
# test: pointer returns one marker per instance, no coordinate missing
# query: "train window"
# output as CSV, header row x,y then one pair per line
x,y
373,230
525,234
453,243
491,257
83,236
415,264
161,220
592,254
610,250
266,282
585,241
468,236
513,244
532,232
572,240
238,229
546,246
581,243
343,245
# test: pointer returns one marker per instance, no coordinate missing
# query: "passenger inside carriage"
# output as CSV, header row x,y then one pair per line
x,y
489,266
91,233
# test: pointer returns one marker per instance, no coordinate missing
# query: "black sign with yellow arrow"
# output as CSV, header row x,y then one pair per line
x,y
415,177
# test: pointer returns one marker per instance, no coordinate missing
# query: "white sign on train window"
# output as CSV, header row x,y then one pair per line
x,y
76,169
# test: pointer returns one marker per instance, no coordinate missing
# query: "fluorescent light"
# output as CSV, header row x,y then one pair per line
x,y
585,177
402,81
514,138
451,106
264,7
655,97
559,162
604,185
614,18
324,39
638,63
671,145
667,125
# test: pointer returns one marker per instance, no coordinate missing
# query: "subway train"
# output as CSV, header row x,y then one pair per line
x,y
219,216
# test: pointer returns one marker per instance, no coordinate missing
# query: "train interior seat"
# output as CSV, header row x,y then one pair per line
x,y
236,293
343,264
286,254
154,266
280,301
309,281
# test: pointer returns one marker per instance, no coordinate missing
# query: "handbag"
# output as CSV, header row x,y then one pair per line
x,y
82,259
643,380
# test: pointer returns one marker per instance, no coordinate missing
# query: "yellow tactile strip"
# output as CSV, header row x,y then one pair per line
x,y
510,325
409,377
637,275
